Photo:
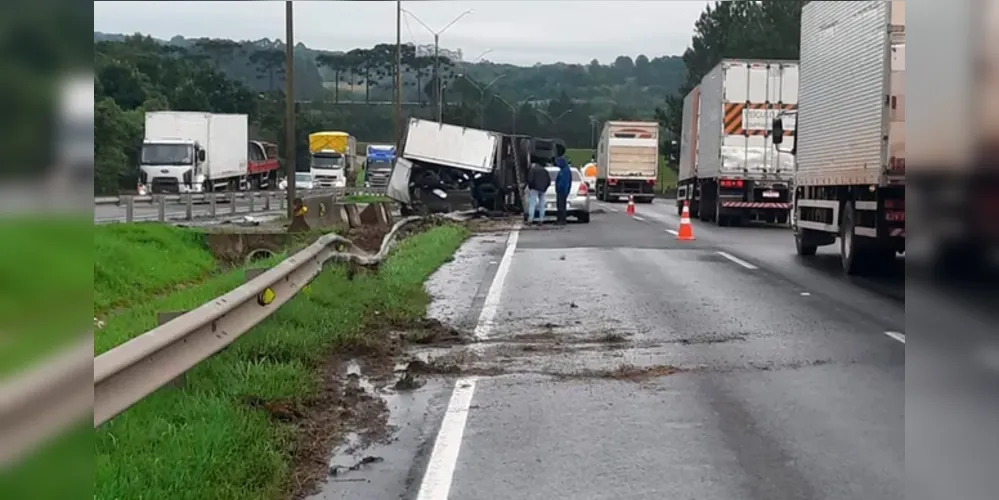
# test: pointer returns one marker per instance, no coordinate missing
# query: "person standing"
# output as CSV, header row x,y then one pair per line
x,y
563,183
538,181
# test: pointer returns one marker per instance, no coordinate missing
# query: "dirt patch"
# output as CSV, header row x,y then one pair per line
x,y
367,238
628,373
492,225
431,332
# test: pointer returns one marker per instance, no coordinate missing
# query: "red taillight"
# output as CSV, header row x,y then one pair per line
x,y
582,189
729,183
612,181
651,181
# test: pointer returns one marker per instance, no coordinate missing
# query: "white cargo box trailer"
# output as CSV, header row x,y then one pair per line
x,y
451,145
687,171
733,171
850,152
628,161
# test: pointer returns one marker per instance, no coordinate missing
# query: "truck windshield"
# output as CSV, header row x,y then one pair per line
x,y
380,163
327,161
167,154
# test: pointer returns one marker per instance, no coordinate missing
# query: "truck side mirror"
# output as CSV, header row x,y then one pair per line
x,y
777,131
201,155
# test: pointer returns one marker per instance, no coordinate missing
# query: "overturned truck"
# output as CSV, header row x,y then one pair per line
x,y
445,168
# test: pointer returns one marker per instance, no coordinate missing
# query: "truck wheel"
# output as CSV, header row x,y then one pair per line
x,y
583,217
803,243
679,208
852,251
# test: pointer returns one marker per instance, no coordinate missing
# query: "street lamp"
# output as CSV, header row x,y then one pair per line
x,y
482,95
557,118
437,60
514,109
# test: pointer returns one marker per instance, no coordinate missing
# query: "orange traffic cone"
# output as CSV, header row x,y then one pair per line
x,y
631,205
686,232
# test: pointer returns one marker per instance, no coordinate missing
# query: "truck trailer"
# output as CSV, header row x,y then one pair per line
x,y
185,152
730,173
849,175
628,161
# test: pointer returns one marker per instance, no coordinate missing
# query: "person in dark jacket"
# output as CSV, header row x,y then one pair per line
x,y
538,181
563,183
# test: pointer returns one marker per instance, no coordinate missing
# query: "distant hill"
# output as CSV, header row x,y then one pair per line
x,y
632,85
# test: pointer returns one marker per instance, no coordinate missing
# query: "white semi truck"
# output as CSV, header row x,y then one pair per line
x,y
849,175
628,161
193,152
729,171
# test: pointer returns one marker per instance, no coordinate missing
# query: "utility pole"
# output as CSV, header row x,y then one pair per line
x,y
398,75
289,102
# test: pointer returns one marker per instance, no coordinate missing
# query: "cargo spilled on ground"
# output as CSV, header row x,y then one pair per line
x,y
258,420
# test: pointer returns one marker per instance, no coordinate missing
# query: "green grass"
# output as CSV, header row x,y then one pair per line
x,y
203,441
45,287
366,198
134,261
667,175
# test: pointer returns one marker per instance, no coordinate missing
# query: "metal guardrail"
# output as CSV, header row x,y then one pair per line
x,y
256,201
52,397
240,195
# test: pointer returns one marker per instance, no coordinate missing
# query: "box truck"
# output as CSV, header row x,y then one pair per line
x,y
185,152
849,170
628,161
730,172
331,158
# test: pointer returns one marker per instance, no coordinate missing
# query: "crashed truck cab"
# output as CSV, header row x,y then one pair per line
x,y
444,168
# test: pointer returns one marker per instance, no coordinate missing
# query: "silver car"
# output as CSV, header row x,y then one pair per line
x,y
303,180
578,204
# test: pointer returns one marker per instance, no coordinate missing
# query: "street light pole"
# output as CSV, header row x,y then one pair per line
x,y
398,74
289,102
438,85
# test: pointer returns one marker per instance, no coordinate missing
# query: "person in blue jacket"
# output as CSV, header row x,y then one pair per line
x,y
563,183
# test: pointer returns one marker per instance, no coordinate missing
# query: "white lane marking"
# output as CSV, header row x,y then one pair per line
x,y
673,232
639,218
436,483
437,479
897,336
737,260
492,302
805,294
609,208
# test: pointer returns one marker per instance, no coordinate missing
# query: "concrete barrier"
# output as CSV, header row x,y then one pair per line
x,y
375,214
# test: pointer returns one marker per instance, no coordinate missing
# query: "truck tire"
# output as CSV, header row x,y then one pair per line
x,y
804,242
583,217
853,252
679,207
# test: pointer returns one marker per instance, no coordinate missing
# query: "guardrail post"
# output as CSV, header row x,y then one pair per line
x,y
267,202
252,198
129,209
161,319
189,202
232,202
212,204
161,208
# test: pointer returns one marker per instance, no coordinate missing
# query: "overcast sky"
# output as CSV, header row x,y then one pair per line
x,y
518,32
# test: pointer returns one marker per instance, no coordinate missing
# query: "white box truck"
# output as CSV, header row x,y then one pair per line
x,y
731,173
628,161
185,151
849,174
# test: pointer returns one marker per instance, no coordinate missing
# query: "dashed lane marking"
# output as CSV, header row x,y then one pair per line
x,y
737,260
897,336
673,232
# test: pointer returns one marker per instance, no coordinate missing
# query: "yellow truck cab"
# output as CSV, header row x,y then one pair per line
x,y
331,158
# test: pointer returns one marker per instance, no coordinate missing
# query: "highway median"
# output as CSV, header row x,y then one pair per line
x,y
241,422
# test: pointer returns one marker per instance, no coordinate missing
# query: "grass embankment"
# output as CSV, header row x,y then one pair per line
x,y
665,182
205,440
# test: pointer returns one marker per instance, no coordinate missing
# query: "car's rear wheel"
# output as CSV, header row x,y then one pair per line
x,y
583,217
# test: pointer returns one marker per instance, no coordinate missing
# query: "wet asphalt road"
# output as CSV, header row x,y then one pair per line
x,y
611,361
